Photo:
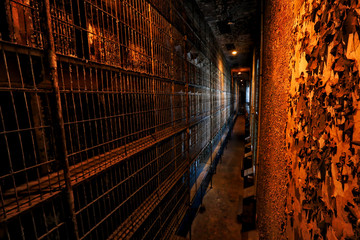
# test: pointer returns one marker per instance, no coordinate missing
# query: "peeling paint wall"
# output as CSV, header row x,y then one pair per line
x,y
323,122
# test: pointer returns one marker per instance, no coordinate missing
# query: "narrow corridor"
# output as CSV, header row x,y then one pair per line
x,y
223,200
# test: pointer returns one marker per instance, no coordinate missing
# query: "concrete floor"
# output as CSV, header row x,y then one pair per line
x,y
222,202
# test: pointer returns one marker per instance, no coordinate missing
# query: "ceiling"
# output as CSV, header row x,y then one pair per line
x,y
235,24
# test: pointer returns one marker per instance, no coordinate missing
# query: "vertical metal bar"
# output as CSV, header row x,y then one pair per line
x,y
30,125
59,121
10,24
81,223
187,114
260,80
252,100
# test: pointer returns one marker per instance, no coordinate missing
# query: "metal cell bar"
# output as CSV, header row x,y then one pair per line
x,y
61,143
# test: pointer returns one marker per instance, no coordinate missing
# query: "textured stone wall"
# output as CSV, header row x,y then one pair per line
x,y
323,129
272,174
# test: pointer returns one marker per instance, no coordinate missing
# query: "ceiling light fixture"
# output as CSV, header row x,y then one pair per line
x,y
230,20
234,52
239,73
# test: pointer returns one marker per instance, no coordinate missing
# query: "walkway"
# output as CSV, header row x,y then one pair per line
x,y
219,219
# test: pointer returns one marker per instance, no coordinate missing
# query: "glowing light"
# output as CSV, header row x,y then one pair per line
x,y
234,52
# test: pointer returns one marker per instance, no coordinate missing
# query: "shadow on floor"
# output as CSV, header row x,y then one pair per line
x,y
218,218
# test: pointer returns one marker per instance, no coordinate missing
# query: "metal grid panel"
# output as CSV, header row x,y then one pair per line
x,y
108,200
105,112
136,36
29,171
199,103
162,6
177,16
170,208
25,25
127,79
178,45
170,166
179,103
64,27
163,104
45,221
199,137
161,44
216,123
200,166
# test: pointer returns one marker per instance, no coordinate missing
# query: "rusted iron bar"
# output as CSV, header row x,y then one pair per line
x,y
61,149
9,33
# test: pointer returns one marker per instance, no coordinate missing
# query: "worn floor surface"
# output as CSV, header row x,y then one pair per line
x,y
219,220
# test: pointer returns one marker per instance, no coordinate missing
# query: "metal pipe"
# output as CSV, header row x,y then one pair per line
x,y
61,149
253,101
260,83
187,143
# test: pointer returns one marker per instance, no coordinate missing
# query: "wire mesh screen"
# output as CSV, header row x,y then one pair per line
x,y
140,99
29,171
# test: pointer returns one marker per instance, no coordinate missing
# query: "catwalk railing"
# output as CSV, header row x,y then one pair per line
x,y
104,107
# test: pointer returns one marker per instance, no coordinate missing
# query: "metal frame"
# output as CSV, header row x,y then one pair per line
x,y
105,108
